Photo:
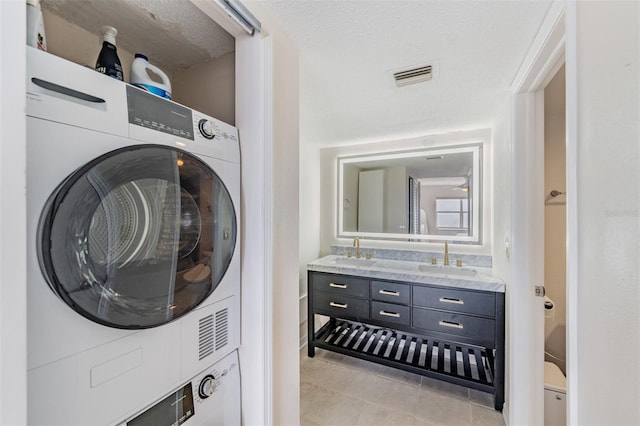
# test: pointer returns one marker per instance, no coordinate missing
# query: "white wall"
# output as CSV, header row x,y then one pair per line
x,y
309,221
286,371
608,294
13,205
329,187
555,221
62,35
217,97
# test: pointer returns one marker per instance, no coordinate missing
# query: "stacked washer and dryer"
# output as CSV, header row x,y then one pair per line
x,y
133,254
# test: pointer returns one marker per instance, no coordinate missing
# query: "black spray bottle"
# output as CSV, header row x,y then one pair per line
x,y
108,62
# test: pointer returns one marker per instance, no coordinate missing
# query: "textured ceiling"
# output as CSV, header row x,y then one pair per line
x,y
175,33
347,49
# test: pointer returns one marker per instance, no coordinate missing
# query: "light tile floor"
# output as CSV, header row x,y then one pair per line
x,y
337,390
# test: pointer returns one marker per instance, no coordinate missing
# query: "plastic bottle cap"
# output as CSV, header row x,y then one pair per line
x,y
140,55
109,34
33,2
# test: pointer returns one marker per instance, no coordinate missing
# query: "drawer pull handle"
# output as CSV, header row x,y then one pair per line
x,y
338,305
337,285
451,324
449,300
390,314
389,293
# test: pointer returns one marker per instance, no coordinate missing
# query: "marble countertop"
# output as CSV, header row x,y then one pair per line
x,y
468,277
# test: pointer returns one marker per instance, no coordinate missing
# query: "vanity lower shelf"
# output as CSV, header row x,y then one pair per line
x,y
473,366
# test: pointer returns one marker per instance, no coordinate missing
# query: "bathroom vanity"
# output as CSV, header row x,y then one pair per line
x,y
438,321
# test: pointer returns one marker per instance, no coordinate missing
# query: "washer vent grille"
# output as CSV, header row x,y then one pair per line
x,y
213,333
413,75
205,337
222,328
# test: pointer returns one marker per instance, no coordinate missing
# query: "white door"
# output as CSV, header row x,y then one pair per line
x,y
371,201
526,318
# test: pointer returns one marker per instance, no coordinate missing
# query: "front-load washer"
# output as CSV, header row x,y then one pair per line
x,y
133,206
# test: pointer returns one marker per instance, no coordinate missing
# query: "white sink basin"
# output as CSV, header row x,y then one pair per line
x,y
353,261
447,270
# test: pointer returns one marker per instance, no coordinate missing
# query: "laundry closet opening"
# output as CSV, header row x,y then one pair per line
x,y
195,52
133,219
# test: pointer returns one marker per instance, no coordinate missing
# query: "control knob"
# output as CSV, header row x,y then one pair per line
x,y
206,129
207,386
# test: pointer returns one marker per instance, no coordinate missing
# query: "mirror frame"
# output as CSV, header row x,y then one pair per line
x,y
475,148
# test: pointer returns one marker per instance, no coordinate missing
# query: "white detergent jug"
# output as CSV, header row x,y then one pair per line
x,y
140,77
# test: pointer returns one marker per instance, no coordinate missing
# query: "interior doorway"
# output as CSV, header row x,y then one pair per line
x,y
555,250
555,220
526,246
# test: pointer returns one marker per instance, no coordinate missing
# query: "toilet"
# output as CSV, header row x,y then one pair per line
x,y
555,396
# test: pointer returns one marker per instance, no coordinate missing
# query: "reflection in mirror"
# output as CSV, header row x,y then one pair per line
x,y
418,195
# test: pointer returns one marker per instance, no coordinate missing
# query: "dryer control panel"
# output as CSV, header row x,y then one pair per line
x,y
156,113
158,120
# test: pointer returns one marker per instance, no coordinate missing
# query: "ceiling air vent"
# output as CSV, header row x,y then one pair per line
x,y
413,75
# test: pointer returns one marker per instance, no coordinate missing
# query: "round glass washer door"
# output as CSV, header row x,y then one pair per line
x,y
138,237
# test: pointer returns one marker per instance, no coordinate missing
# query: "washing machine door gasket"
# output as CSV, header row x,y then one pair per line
x,y
137,237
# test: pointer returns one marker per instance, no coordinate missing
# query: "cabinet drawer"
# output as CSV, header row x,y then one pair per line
x,y
341,284
388,312
338,305
481,329
470,302
391,292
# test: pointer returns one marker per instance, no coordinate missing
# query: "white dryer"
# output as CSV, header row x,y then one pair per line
x,y
133,206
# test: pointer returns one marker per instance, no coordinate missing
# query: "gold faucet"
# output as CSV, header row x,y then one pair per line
x,y
446,253
356,244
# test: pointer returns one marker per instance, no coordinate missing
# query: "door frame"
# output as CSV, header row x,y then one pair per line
x,y
571,118
526,372
254,119
13,215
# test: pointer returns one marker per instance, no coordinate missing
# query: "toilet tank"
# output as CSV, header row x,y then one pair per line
x,y
555,396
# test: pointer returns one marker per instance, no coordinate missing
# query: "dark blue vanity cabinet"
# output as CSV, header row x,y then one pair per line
x,y
449,333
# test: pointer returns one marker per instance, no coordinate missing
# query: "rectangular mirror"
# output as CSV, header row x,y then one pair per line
x,y
419,195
